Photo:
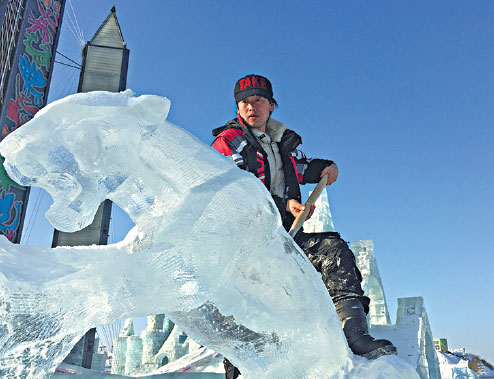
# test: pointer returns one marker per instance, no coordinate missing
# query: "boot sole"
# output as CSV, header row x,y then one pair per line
x,y
379,352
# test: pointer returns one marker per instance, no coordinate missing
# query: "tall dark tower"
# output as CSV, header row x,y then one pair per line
x,y
105,61
28,42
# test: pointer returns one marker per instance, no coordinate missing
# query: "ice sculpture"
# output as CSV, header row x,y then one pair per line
x,y
413,336
167,349
146,356
120,347
456,366
207,233
321,220
153,337
208,248
371,281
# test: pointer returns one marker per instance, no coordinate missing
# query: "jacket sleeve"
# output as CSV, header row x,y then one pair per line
x,y
312,173
222,146
227,147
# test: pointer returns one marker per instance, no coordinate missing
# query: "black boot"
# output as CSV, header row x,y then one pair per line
x,y
231,372
352,317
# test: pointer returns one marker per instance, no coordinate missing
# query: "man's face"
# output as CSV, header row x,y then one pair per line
x,y
255,110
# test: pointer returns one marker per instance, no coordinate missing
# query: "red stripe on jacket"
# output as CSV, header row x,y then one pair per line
x,y
299,176
222,143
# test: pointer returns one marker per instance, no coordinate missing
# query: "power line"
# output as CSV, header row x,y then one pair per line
x,y
65,64
76,26
66,57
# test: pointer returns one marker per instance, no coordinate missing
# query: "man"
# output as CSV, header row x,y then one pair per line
x,y
265,147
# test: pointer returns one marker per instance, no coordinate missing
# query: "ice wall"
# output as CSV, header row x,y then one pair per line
x,y
321,220
454,367
153,338
412,336
208,248
120,347
148,355
371,281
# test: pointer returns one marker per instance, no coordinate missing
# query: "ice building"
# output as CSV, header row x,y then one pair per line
x,y
160,343
153,338
176,346
457,363
371,281
321,220
454,366
411,334
120,347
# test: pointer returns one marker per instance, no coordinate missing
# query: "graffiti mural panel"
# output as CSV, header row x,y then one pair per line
x,y
25,88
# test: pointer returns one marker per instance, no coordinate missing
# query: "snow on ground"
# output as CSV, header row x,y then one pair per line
x,y
208,249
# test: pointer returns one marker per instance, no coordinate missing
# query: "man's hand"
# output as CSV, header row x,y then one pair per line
x,y
332,170
294,207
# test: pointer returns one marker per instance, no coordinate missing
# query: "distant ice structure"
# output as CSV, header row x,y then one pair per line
x,y
176,346
208,248
321,220
160,343
454,366
119,357
153,338
371,281
411,334
163,347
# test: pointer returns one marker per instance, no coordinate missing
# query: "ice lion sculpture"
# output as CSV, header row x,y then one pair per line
x,y
208,248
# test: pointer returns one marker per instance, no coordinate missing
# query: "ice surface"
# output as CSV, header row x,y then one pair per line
x,y
453,367
321,220
208,248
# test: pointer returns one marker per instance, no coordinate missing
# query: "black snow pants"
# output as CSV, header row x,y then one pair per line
x,y
332,257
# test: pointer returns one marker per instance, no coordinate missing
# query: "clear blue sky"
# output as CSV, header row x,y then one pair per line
x,y
398,93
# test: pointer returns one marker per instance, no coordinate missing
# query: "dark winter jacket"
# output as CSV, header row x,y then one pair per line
x,y
236,140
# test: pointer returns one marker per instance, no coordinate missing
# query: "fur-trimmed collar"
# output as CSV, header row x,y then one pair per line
x,y
275,129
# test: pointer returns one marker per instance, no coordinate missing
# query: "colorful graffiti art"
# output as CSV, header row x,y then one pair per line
x,y
34,64
10,209
21,109
40,57
7,204
43,23
32,78
26,95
